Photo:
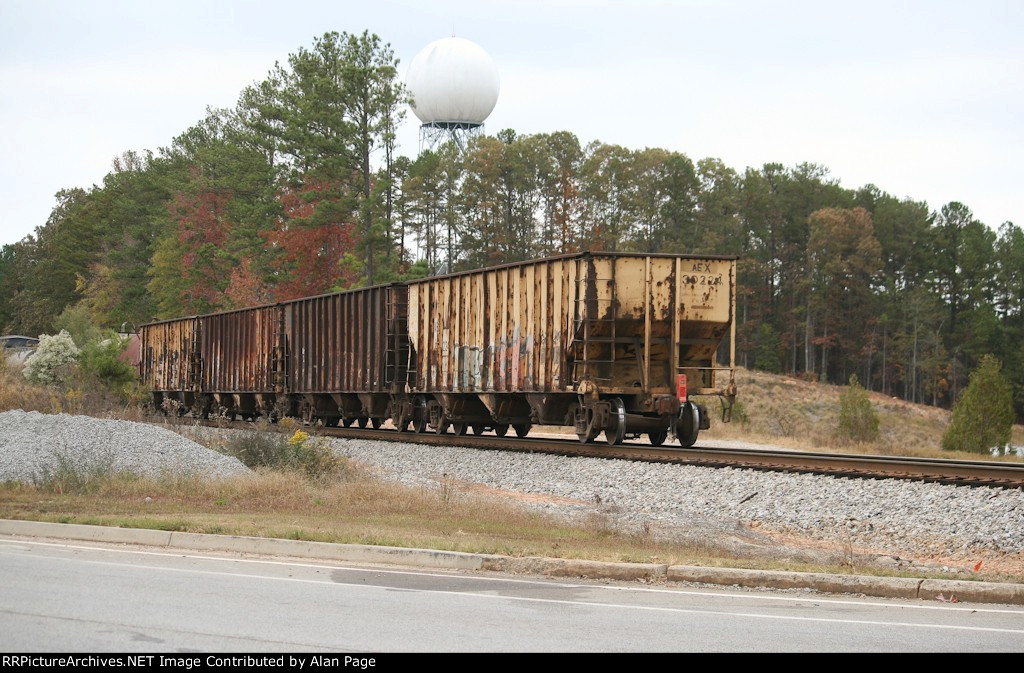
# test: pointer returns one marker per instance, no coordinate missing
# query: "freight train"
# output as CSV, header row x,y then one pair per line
x,y
598,341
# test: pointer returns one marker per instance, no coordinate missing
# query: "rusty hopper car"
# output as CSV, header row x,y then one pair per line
x,y
240,353
168,363
602,341
332,358
347,354
220,362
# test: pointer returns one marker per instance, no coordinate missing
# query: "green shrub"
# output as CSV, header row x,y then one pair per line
x,y
278,449
858,421
99,358
983,415
76,321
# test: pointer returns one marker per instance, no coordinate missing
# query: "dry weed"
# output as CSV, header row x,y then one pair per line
x,y
17,393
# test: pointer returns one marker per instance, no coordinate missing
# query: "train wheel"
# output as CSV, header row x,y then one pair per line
x,y
331,422
376,423
688,425
362,421
401,424
442,427
419,414
522,429
616,436
500,429
347,422
658,438
459,428
478,428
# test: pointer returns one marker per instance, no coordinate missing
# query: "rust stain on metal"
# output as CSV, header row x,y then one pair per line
x,y
169,358
238,348
347,341
549,325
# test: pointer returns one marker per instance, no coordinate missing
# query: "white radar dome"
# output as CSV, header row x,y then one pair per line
x,y
453,80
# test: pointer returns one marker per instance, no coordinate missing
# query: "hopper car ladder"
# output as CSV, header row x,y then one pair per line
x,y
590,329
396,355
278,361
195,357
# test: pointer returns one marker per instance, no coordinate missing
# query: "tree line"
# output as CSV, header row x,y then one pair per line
x,y
299,189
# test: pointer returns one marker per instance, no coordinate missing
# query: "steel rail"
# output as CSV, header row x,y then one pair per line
x,y
946,471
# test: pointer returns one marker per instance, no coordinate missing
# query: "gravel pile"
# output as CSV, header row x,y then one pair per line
x,y
33,445
688,502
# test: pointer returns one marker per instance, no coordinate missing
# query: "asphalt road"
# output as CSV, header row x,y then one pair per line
x,y
90,598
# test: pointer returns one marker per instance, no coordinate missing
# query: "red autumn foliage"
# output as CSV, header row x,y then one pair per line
x,y
203,229
246,288
309,250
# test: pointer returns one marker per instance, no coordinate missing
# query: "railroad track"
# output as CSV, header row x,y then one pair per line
x,y
958,472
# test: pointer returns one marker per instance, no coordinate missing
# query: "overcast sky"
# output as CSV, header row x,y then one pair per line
x,y
924,99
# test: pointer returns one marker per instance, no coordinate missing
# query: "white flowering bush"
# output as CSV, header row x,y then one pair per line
x,y
48,364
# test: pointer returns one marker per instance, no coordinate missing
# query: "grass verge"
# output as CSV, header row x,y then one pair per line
x,y
359,510
288,504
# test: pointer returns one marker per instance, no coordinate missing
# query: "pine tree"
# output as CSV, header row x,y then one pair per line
x,y
766,353
857,418
983,416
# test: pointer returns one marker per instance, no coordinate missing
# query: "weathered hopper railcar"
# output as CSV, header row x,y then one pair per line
x,y
600,341
219,362
603,342
240,361
168,361
347,354
333,358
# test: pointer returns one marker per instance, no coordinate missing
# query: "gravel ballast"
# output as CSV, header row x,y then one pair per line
x,y
889,517
35,445
746,511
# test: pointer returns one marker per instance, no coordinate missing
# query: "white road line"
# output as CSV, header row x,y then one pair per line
x,y
792,599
